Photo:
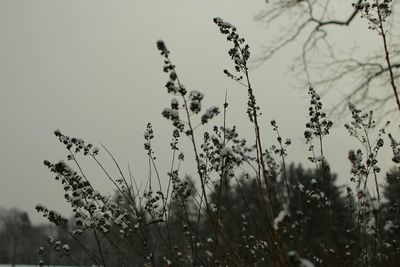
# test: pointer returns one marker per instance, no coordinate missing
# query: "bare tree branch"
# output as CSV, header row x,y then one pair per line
x,y
321,63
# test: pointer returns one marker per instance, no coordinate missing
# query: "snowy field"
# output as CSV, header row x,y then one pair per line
x,y
8,265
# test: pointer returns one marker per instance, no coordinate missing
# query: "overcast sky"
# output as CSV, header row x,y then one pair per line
x,y
91,69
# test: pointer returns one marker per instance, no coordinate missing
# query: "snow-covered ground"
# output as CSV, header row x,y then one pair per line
x,y
8,265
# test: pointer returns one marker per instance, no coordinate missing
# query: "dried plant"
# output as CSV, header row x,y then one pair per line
x,y
243,208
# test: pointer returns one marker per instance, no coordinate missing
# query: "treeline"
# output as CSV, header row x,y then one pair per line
x,y
297,220
20,241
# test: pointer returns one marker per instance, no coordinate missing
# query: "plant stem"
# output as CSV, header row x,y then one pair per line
x,y
387,56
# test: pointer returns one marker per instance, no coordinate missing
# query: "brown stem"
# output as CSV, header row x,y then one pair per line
x,y
276,246
387,57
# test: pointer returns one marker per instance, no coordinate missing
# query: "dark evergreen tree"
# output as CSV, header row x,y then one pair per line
x,y
317,212
391,215
391,193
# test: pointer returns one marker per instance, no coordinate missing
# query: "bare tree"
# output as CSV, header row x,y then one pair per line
x,y
14,228
369,78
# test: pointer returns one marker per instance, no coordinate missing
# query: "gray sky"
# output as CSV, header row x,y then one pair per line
x,y
91,69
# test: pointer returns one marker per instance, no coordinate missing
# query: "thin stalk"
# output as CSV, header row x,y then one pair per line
x,y
99,248
261,163
387,56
